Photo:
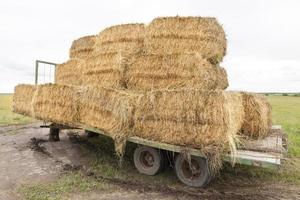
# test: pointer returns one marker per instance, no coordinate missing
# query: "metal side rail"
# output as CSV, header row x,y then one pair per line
x,y
244,157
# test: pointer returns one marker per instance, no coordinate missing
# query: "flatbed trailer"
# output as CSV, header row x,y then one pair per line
x,y
191,166
150,156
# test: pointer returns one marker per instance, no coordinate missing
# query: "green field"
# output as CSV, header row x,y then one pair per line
x,y
7,117
286,112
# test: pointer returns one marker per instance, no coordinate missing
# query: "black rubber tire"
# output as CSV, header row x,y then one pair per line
x,y
54,134
143,165
185,174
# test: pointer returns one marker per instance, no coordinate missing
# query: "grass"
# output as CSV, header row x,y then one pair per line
x,y
286,112
70,182
7,117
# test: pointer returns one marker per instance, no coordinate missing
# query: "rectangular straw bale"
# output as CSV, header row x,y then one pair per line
x,y
125,38
104,70
199,119
258,118
173,71
22,99
186,35
70,72
56,103
107,109
83,47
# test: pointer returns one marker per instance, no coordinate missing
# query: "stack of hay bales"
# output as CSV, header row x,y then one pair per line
x,y
113,46
49,102
162,82
70,72
179,53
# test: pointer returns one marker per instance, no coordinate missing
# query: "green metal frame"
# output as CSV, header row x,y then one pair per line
x,y
37,62
239,159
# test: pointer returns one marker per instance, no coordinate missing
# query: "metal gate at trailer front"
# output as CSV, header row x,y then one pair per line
x,y
51,73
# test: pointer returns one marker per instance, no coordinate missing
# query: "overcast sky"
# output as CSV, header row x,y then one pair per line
x,y
263,35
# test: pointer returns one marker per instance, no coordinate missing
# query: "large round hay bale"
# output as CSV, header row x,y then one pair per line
x,y
187,35
258,118
70,72
125,38
173,71
82,47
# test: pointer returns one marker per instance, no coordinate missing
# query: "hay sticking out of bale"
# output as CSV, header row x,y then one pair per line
x,y
70,72
22,99
83,47
105,70
56,103
107,109
125,38
173,71
258,119
206,120
187,35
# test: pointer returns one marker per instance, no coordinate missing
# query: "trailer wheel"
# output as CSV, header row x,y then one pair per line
x,y
195,174
147,160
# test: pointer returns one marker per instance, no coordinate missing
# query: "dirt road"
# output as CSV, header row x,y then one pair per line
x,y
27,157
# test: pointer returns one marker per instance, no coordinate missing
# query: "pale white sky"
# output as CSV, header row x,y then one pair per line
x,y
263,35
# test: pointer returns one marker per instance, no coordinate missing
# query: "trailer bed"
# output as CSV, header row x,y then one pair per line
x,y
266,153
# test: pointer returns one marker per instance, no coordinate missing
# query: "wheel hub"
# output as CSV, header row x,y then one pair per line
x,y
191,170
147,159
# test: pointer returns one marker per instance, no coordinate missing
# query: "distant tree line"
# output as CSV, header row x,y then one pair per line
x,y
282,94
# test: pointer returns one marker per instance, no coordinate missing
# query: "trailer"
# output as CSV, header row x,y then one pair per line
x,y
190,165
150,157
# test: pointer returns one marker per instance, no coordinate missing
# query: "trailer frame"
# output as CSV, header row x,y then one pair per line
x,y
243,157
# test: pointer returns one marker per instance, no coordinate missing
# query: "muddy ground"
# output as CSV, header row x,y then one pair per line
x,y
26,157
